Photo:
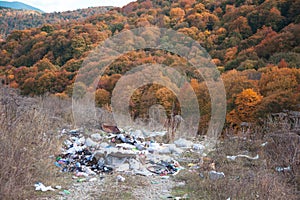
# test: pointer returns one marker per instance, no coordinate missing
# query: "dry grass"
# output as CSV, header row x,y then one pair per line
x,y
28,136
248,179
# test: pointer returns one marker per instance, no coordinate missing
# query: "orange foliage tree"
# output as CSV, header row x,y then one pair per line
x,y
246,103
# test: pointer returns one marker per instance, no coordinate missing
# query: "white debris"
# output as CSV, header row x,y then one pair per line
x,y
58,187
198,147
104,145
80,141
68,143
264,144
153,147
75,149
134,164
125,146
120,178
40,186
174,150
123,167
142,172
93,179
283,169
243,156
90,143
88,170
213,175
96,137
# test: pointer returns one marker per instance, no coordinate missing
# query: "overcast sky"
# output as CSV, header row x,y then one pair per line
x,y
64,5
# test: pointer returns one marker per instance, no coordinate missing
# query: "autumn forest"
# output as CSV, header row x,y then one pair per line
x,y
255,45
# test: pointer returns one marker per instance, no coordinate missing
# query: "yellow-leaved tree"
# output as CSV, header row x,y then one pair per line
x,y
246,103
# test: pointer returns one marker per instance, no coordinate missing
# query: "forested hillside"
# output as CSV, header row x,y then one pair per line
x,y
11,19
254,43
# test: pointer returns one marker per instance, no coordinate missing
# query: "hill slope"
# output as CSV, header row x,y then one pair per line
x,y
11,19
18,5
256,45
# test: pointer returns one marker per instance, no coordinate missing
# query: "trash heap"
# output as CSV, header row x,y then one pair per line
x,y
111,150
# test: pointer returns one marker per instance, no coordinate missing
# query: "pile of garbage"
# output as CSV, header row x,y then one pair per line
x,y
111,150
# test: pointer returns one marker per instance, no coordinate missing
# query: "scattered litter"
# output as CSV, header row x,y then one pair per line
x,y
93,179
165,168
90,143
58,187
57,164
243,156
74,132
264,144
110,129
181,184
201,175
66,192
142,173
125,146
40,186
81,180
283,169
154,182
120,178
79,174
213,175
115,150
185,196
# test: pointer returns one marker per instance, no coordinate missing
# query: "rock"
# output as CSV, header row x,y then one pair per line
x,y
183,143
90,143
96,137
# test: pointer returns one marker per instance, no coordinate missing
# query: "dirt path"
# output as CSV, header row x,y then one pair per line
x,y
107,187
